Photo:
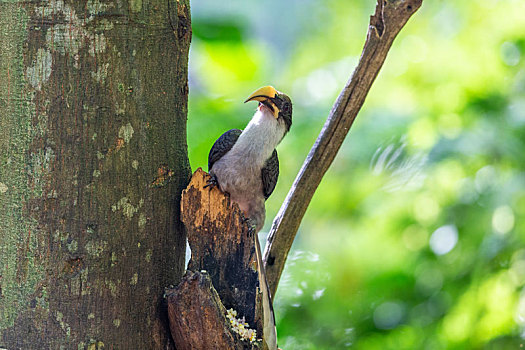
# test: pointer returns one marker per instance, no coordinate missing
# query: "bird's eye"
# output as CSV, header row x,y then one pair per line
x,y
285,108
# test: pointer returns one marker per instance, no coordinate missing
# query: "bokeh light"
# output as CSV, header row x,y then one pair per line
x,y
444,239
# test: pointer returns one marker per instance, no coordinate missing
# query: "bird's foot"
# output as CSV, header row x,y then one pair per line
x,y
212,182
252,227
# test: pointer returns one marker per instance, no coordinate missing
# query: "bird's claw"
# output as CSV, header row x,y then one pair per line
x,y
212,182
251,225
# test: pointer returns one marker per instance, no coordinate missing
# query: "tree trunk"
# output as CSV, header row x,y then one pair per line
x,y
93,158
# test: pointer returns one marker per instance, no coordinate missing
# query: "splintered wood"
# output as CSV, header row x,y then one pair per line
x,y
222,247
197,316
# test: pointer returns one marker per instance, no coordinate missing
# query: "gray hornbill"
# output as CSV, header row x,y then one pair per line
x,y
244,164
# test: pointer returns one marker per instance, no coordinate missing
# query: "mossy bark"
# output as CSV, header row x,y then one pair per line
x,y
93,158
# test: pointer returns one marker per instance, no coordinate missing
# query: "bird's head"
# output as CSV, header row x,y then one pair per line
x,y
277,102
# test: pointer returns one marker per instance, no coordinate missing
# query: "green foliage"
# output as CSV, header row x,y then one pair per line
x,y
415,238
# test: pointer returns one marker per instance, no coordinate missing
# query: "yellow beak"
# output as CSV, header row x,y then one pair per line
x,y
265,95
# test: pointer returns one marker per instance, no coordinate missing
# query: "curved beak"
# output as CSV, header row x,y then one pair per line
x,y
265,95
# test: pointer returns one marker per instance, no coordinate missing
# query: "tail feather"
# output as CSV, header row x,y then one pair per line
x,y
269,330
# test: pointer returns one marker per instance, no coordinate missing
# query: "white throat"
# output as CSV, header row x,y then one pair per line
x,y
260,137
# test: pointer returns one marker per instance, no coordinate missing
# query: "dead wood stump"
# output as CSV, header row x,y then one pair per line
x,y
222,251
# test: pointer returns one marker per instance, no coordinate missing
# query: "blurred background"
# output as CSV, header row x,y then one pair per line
x,y
415,239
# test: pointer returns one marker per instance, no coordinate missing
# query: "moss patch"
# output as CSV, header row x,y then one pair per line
x,y
20,267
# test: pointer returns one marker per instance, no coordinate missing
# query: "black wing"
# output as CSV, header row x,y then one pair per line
x,y
222,146
270,173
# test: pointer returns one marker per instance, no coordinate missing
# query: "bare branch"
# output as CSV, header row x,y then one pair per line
x,y
389,18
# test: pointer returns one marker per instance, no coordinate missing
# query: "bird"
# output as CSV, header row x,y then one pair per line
x,y
244,164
